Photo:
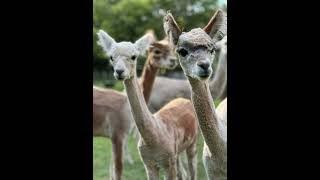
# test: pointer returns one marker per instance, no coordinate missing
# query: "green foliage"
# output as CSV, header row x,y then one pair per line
x,y
127,20
118,86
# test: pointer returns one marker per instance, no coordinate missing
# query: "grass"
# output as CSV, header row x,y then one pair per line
x,y
117,86
102,159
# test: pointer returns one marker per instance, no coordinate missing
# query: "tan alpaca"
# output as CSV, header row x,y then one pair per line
x,y
163,135
159,55
167,89
112,119
196,50
112,116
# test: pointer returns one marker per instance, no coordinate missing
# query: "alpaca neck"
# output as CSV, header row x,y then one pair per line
x,y
141,114
147,78
213,130
218,84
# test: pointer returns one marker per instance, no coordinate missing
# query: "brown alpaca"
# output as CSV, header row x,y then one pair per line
x,y
196,50
112,116
163,135
159,55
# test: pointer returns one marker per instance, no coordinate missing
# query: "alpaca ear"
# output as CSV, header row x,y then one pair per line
x,y
144,42
217,26
105,41
171,29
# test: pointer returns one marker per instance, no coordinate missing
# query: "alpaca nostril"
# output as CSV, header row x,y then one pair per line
x,y
203,65
119,71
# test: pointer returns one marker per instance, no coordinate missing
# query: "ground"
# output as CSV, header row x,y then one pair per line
x,y
102,159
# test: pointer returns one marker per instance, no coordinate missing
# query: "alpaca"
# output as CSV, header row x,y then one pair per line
x,y
167,89
112,119
163,135
218,86
196,50
112,116
159,55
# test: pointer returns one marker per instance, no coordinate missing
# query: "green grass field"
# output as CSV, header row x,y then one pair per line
x,y
102,159
102,155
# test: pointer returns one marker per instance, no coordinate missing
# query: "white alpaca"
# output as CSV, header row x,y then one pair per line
x,y
112,116
163,135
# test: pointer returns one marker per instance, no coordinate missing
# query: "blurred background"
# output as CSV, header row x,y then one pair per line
x,y
128,20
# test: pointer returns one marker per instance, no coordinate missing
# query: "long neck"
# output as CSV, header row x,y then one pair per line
x,y
219,83
213,130
139,109
147,78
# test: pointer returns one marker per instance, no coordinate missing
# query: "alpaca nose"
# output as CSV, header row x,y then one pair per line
x,y
119,71
204,65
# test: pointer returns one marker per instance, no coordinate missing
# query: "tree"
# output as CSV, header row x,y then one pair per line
x,y
127,20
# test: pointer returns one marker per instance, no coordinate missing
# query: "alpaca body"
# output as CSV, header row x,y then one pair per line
x,y
196,49
109,105
163,135
162,152
112,119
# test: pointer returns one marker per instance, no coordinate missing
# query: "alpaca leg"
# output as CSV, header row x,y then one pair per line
x,y
182,173
171,170
192,160
117,153
152,171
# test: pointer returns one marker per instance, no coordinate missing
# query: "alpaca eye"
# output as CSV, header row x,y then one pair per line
x,y
133,57
111,58
157,52
183,52
212,51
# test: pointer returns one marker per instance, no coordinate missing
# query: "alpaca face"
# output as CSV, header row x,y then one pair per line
x,y
162,55
123,55
196,49
196,52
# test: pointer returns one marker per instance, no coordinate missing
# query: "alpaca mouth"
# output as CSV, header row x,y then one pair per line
x,y
204,75
120,78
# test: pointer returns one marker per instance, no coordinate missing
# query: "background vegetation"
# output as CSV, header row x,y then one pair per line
x,y
127,20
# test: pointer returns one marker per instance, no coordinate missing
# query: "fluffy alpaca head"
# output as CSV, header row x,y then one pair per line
x,y
196,49
162,55
123,55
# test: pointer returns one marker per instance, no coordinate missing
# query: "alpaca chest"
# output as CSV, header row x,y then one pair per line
x,y
155,155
